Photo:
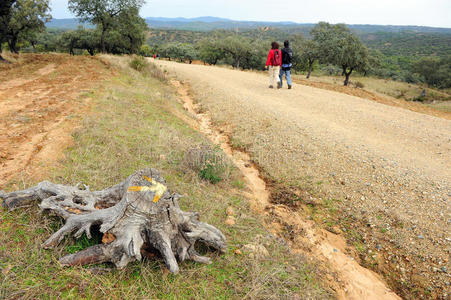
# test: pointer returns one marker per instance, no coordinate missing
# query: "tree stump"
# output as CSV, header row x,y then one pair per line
x,y
135,216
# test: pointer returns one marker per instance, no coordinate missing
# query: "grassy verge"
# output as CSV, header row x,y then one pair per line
x,y
131,128
408,92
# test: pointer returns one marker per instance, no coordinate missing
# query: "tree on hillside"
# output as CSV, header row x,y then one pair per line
x,y
146,51
103,13
171,51
5,16
189,53
435,71
236,47
88,40
309,54
26,16
179,51
338,46
209,51
79,39
131,28
69,40
375,58
305,54
256,55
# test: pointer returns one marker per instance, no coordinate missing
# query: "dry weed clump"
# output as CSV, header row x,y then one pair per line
x,y
156,72
359,85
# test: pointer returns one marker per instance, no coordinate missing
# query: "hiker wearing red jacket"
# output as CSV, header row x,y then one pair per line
x,y
273,63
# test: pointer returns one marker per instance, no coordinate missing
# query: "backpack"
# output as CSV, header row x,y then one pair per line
x,y
288,57
277,60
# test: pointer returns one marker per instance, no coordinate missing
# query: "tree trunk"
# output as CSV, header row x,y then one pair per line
x,y
102,39
1,51
135,217
310,67
347,74
12,44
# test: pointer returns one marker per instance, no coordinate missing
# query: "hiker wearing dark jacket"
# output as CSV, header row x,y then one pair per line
x,y
287,63
273,63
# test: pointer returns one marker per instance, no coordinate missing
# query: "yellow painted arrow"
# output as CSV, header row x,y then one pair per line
x,y
156,187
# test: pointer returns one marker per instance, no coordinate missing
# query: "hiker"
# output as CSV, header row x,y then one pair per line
x,y
287,63
273,63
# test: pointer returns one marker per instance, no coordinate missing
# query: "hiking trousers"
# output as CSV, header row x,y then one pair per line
x,y
274,78
287,73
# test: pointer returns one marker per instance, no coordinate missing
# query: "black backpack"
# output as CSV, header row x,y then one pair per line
x,y
287,55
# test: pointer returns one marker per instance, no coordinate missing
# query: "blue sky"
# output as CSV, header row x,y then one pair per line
x,y
435,13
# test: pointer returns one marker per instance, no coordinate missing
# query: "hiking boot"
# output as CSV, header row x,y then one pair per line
x,y
279,85
271,87
289,87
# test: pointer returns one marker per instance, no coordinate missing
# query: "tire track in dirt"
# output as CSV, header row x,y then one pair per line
x,y
351,281
40,106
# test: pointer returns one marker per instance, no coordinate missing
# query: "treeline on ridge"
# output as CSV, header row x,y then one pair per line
x,y
118,28
332,49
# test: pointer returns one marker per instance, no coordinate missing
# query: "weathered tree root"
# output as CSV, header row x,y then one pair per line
x,y
135,215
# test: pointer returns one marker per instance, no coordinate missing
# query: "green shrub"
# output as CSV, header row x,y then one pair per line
x,y
138,63
420,99
145,51
209,164
211,172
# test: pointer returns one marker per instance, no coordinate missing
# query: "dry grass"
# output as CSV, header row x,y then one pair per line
x,y
437,99
388,87
130,129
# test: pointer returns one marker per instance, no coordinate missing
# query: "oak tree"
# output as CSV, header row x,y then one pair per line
x,y
103,13
339,46
25,17
5,16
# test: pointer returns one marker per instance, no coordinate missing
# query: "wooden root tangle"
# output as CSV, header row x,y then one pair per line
x,y
136,217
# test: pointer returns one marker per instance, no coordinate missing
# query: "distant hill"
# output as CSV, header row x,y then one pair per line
x,y
67,24
213,23
189,20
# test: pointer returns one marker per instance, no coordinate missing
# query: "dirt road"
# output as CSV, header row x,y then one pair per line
x,y
387,169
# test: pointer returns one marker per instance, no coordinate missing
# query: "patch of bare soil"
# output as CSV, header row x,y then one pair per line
x,y
40,104
346,276
416,107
